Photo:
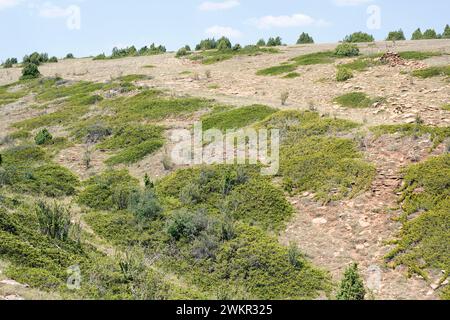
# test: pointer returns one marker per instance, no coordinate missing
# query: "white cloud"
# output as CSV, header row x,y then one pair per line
x,y
4,4
350,3
51,11
295,20
215,6
218,31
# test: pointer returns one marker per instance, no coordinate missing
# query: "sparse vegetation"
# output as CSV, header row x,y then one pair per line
x,y
432,72
343,74
346,50
355,100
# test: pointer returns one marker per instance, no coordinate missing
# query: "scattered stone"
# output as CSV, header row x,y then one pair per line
x,y
319,221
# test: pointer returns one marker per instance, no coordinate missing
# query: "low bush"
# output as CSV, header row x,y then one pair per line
x,y
274,42
417,35
43,137
30,71
70,56
107,190
54,221
346,50
343,74
355,100
35,58
145,205
432,72
182,53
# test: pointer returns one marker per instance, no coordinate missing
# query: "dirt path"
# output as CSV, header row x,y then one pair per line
x,y
336,235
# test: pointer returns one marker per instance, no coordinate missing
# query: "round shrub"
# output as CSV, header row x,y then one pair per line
x,y
343,74
182,52
347,50
70,56
359,37
305,38
43,137
53,60
30,71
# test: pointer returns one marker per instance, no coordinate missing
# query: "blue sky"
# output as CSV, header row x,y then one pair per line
x,y
88,27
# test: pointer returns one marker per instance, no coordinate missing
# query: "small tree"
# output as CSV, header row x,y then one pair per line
x,y
30,71
182,53
396,36
70,56
352,286
43,137
53,60
417,35
446,34
305,38
273,42
261,43
430,34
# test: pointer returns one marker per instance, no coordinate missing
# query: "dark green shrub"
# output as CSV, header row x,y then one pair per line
x,y
305,38
53,60
343,74
359,37
237,47
9,63
70,56
352,285
396,36
30,71
346,50
101,56
43,137
182,52
261,43
223,44
36,58
430,34
145,205
446,33
184,224
274,42
54,221
417,35
206,44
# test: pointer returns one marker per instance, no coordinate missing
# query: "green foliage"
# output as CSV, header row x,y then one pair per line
x,y
144,205
346,50
437,134
292,75
236,118
432,72
352,285
418,55
305,38
324,57
274,42
261,43
423,241
43,137
54,221
360,64
215,56
446,107
223,44
417,35
343,74
101,56
53,60
9,63
355,100
277,70
30,71
396,36
108,190
206,44
182,52
70,56
332,168
7,95
359,37
134,143
446,33
35,58
430,34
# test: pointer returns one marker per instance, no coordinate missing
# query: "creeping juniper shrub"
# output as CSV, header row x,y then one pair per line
x,y
43,137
